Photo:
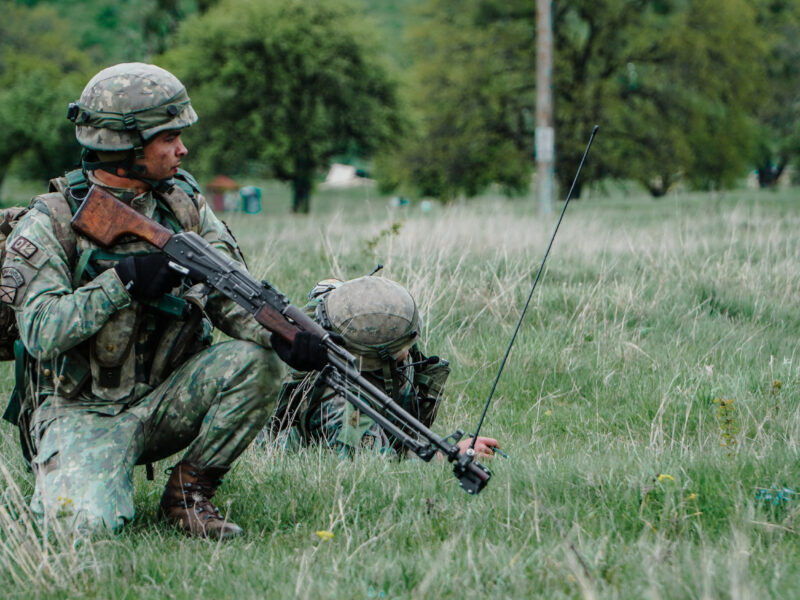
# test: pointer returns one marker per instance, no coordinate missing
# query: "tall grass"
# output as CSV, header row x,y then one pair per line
x,y
625,477
41,556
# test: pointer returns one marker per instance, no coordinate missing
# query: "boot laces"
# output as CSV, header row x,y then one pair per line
x,y
198,496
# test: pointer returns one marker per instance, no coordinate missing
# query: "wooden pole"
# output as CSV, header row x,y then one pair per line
x,y
545,134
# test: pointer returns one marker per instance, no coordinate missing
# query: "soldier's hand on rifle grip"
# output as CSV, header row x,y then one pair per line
x,y
147,276
306,353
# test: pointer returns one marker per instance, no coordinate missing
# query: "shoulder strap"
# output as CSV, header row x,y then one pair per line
x,y
59,210
184,207
187,182
71,185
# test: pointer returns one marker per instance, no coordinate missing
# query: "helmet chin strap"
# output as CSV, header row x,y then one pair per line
x,y
91,162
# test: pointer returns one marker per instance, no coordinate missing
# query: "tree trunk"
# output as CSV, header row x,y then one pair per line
x,y
659,186
301,195
768,174
301,186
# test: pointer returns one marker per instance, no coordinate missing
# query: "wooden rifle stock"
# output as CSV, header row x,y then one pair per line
x,y
104,219
305,322
276,322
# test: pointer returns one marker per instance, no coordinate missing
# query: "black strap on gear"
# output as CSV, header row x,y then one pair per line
x,y
391,380
91,162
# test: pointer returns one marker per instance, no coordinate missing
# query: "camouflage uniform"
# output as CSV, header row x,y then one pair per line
x,y
309,412
88,436
111,382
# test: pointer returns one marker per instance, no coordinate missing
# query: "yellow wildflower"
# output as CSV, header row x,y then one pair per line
x,y
664,476
325,535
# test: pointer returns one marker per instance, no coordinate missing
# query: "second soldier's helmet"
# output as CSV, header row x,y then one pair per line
x,y
125,105
376,317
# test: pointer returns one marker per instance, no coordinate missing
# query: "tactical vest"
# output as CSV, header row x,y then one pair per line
x,y
105,365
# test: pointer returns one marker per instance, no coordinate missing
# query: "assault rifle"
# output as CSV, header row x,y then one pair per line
x,y
105,219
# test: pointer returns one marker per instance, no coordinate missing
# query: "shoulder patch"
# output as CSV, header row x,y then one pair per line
x,y
24,247
11,281
7,294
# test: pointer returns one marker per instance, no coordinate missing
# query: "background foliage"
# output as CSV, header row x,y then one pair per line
x,y
39,67
433,97
673,85
294,84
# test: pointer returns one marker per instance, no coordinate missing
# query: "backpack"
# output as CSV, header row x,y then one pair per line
x,y
8,323
55,205
11,348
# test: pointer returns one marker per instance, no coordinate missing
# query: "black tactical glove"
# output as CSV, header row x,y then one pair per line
x,y
307,353
147,276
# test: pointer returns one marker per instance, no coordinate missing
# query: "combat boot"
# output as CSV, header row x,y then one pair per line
x,y
187,502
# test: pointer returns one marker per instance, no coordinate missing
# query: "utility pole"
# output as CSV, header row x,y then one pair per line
x,y
545,135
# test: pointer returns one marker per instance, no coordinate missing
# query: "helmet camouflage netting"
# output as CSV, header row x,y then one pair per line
x,y
377,318
125,105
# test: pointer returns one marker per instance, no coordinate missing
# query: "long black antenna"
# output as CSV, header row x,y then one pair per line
x,y
533,287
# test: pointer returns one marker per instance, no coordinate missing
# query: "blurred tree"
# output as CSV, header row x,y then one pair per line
x,y
682,106
161,20
108,30
473,98
779,110
41,71
283,86
113,32
672,83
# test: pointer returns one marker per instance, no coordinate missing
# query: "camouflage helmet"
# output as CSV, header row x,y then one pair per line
x,y
125,105
377,318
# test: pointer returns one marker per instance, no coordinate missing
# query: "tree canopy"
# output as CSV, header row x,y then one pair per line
x,y
697,92
682,105
41,71
281,87
473,98
674,85
778,137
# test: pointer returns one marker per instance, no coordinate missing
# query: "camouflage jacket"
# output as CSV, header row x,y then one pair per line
x,y
309,411
88,340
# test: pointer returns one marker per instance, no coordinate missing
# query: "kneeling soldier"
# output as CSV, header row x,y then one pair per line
x,y
115,363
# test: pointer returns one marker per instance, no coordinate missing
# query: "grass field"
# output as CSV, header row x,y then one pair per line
x,y
649,410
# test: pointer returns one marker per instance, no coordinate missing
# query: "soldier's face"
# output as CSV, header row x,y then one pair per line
x,y
163,154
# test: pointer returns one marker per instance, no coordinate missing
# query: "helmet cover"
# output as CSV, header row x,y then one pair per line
x,y
125,105
376,317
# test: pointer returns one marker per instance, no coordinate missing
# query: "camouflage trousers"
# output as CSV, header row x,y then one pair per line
x,y
212,406
336,424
